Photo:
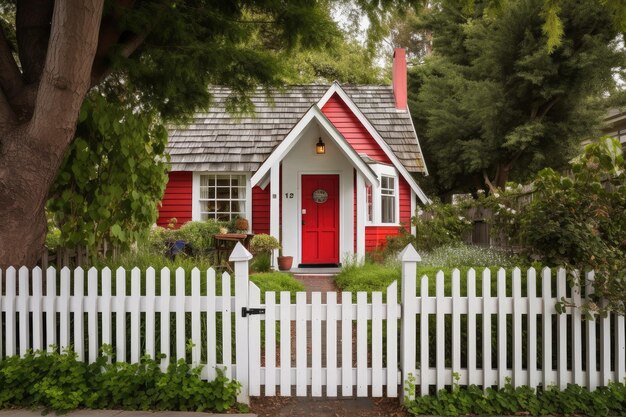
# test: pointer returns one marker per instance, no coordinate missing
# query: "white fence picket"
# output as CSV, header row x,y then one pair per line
x,y
577,342
107,324
561,331
11,331
620,349
92,313
472,311
226,327
501,323
518,379
440,332
254,323
456,322
1,309
301,345
285,343
51,308
23,311
546,326
196,339
377,344
531,352
346,344
270,343
120,315
79,325
488,379
36,305
316,344
133,307
592,376
331,344
424,336
150,312
181,335
64,310
392,339
211,324
361,344
165,318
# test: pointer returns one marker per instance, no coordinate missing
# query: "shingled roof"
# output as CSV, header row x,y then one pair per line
x,y
216,140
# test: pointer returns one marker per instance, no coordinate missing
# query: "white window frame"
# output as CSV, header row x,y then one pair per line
x,y
386,171
196,207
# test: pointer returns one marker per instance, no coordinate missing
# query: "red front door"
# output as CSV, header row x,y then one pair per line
x,y
320,219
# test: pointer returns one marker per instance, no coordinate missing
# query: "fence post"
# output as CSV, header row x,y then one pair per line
x,y
409,258
240,256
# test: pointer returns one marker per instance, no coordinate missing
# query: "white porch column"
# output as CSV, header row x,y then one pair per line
x,y
275,206
361,208
412,229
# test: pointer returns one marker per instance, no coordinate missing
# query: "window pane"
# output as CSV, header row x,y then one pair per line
x,y
388,209
222,197
204,192
204,180
223,193
223,182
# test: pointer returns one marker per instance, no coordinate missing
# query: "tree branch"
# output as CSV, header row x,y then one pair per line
x,y
10,76
66,75
488,182
32,23
100,71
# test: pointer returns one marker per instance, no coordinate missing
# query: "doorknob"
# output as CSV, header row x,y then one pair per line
x,y
303,223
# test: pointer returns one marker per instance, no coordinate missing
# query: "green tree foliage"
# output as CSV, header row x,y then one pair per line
x,y
112,176
579,220
498,101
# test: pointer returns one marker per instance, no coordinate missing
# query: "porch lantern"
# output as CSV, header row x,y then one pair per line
x,y
320,147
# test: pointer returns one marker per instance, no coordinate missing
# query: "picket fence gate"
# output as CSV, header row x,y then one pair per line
x,y
342,347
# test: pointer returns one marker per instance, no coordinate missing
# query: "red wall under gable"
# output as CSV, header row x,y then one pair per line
x,y
176,200
261,210
352,129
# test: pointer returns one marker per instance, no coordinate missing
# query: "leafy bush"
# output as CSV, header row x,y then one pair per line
x,y
262,262
440,224
61,383
472,400
263,243
198,235
580,220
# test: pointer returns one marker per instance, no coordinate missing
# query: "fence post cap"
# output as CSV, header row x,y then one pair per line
x,y
409,254
240,253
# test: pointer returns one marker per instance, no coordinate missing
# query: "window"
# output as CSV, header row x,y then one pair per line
x,y
222,197
388,199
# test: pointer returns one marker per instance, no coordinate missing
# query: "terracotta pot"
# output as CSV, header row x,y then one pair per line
x,y
285,262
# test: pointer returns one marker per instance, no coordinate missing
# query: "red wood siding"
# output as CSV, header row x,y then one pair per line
x,y
176,201
405,203
351,128
261,210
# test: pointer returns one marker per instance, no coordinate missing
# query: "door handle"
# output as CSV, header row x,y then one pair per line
x,y
303,223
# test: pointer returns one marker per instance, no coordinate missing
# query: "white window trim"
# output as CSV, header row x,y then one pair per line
x,y
195,194
387,171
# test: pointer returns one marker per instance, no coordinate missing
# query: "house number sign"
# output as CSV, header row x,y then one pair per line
x,y
320,196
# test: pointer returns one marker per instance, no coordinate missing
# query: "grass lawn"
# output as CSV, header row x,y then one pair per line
x,y
377,277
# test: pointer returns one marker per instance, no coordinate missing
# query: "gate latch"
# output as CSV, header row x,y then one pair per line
x,y
245,312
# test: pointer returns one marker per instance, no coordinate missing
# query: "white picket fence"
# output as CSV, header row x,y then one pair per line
x,y
333,348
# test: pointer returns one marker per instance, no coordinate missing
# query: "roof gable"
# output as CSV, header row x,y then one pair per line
x,y
218,141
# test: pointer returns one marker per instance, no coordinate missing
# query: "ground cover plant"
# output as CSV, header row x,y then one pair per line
x,y
59,382
472,400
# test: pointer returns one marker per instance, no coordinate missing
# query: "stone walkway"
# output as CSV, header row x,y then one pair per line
x,y
309,406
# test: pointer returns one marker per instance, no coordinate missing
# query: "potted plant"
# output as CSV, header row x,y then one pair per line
x,y
262,245
284,262
241,225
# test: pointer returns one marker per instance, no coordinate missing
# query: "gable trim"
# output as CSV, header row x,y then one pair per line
x,y
314,113
336,88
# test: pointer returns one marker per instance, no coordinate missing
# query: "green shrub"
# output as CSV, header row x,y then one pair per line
x,y
458,255
199,235
263,243
440,224
262,262
61,383
472,400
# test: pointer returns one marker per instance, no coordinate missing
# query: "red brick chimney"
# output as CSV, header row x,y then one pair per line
x,y
398,78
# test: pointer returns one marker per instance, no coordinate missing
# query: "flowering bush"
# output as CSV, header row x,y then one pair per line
x,y
440,224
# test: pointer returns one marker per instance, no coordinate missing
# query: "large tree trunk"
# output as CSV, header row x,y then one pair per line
x,y
31,151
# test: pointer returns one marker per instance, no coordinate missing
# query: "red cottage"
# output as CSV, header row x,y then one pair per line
x,y
328,169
